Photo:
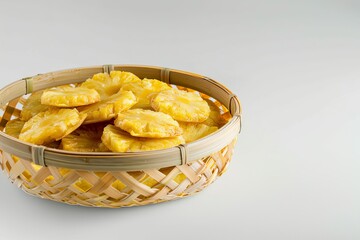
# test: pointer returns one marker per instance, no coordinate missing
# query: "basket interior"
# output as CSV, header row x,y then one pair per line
x,y
116,188
13,96
13,109
84,180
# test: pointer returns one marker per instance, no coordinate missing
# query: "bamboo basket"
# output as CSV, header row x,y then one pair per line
x,y
116,180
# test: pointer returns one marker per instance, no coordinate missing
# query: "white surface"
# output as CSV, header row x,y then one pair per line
x,y
295,66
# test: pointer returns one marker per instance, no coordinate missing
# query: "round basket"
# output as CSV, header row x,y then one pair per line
x,y
117,179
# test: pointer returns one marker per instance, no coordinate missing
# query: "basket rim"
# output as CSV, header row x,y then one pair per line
x,y
129,161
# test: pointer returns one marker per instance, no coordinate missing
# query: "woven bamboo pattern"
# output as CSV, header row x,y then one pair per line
x,y
116,189
112,189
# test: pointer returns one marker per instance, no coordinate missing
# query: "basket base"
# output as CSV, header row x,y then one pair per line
x,y
118,188
113,205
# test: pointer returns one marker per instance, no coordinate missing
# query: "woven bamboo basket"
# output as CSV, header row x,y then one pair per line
x,y
116,180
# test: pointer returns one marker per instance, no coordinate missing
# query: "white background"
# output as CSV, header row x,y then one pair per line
x,y
294,65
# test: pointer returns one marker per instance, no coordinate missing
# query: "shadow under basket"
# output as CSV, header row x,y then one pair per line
x,y
117,179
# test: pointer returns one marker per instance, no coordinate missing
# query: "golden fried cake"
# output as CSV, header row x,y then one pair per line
x,y
107,85
181,105
108,108
195,131
119,141
147,123
33,106
68,96
13,127
144,89
52,125
87,138
216,117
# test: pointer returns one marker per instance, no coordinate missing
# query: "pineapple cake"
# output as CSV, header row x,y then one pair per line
x,y
50,126
33,106
195,131
86,138
181,105
147,123
13,127
108,108
120,141
123,77
68,96
108,84
144,89
216,118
